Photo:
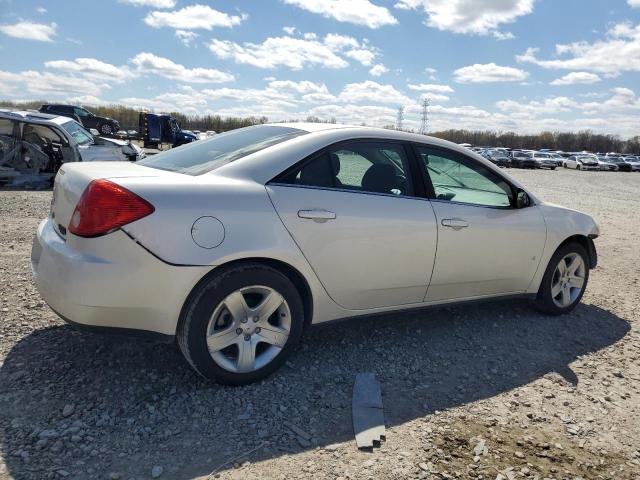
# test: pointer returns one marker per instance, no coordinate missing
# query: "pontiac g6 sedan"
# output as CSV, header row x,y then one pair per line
x,y
235,244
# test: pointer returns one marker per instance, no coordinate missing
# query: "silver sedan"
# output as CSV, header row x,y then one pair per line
x,y
235,244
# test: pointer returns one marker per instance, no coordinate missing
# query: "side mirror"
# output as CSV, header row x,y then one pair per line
x,y
522,199
94,132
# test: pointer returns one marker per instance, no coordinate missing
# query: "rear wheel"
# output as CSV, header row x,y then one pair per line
x,y
564,280
240,325
106,129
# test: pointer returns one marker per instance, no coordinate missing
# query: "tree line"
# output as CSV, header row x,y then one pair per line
x,y
565,141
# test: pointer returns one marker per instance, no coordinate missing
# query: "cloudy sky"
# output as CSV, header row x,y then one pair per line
x,y
523,65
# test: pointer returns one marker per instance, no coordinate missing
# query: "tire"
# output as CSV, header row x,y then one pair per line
x,y
578,167
106,129
207,312
545,301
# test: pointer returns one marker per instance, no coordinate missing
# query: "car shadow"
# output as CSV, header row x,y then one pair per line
x,y
136,404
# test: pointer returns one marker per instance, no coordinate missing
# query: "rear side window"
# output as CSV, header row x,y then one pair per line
x,y
206,155
359,166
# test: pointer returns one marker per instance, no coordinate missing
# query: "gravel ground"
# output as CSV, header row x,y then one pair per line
x,y
485,391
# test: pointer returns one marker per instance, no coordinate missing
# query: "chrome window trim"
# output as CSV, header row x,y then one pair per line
x,y
345,190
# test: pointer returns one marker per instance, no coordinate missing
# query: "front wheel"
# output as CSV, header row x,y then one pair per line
x,y
240,325
564,280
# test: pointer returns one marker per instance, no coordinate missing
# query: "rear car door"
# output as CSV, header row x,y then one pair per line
x,y
486,246
353,211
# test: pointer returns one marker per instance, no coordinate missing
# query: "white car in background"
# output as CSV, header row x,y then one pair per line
x,y
237,243
606,164
582,162
545,160
37,144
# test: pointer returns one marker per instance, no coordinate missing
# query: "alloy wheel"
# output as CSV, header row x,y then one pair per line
x,y
568,280
248,329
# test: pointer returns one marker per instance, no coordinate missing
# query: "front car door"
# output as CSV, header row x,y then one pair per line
x,y
353,211
486,246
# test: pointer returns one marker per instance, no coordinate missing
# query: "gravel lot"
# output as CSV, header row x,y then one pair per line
x,y
490,391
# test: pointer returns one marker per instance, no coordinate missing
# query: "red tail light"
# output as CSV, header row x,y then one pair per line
x,y
104,207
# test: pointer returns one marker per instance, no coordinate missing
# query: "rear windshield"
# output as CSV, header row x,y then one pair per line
x,y
206,155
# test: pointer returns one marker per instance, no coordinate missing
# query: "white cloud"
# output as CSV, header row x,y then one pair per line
x,y
49,84
186,36
430,88
91,100
634,3
92,69
150,3
41,10
480,17
289,30
618,52
168,102
193,17
370,91
296,53
490,72
30,31
358,12
378,70
150,63
619,101
575,78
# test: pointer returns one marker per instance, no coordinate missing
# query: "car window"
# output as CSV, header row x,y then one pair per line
x,y
79,134
460,179
367,167
81,112
206,155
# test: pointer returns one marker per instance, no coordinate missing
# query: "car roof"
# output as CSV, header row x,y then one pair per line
x,y
34,116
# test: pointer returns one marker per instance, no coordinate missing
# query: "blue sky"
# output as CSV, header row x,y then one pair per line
x,y
523,65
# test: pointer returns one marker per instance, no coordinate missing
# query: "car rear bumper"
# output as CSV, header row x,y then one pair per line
x,y
109,282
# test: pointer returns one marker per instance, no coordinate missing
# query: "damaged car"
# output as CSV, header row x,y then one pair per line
x,y
34,145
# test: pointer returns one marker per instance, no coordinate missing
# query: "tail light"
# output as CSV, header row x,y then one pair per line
x,y
104,207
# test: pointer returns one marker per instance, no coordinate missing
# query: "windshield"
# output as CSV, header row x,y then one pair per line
x,y
79,134
207,155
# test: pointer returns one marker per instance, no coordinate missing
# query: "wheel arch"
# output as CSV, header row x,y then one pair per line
x,y
587,243
292,273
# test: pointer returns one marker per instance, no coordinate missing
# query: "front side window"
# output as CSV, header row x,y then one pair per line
x,y
79,134
204,156
459,179
81,112
367,167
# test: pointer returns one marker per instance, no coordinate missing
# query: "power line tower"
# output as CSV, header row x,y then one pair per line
x,y
425,116
400,118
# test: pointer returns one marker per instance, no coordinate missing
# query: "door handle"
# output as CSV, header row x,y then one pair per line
x,y
455,223
317,215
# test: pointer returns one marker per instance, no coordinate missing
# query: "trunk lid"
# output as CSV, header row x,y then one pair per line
x,y
73,178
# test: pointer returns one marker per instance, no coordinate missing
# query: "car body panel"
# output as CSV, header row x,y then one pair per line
x,y
378,251
497,253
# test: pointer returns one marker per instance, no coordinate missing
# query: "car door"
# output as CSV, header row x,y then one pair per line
x,y
354,212
486,246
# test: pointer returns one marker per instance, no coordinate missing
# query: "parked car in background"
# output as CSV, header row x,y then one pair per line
x,y
104,125
522,159
633,161
545,160
557,156
222,244
33,143
606,165
498,156
619,162
582,162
